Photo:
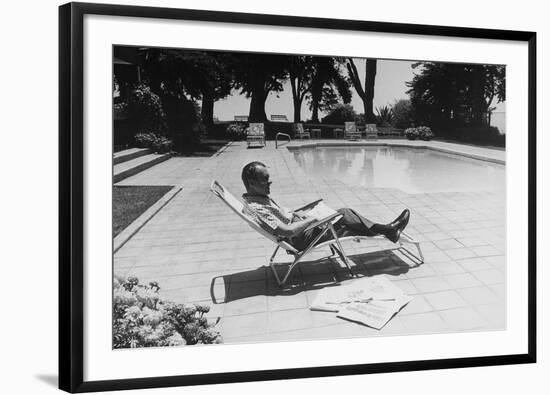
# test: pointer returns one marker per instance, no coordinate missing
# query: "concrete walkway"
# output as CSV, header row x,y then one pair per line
x,y
198,250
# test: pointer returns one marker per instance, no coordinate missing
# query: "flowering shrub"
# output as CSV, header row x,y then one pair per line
x,y
157,143
145,108
424,132
142,319
411,133
236,131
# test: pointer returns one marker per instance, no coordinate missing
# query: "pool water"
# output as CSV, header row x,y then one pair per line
x,y
413,170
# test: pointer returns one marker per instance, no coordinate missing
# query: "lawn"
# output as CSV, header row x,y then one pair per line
x,y
129,202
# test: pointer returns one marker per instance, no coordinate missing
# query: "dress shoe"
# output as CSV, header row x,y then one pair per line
x,y
404,216
398,225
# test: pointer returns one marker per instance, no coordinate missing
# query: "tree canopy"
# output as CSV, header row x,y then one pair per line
x,y
447,93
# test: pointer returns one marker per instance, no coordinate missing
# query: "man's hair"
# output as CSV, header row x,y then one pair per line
x,y
250,172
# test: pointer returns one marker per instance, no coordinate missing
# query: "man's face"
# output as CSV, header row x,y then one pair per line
x,y
261,185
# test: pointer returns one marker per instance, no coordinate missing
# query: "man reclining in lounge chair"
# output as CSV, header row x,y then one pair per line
x,y
292,225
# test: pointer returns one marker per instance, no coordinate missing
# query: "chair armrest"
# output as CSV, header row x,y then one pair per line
x,y
309,205
324,221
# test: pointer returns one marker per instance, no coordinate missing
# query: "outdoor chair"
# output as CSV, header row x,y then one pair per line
x,y
370,131
255,135
242,209
351,132
299,133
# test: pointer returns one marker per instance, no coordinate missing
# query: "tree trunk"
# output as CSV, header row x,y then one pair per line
x,y
297,110
478,98
207,109
257,102
370,76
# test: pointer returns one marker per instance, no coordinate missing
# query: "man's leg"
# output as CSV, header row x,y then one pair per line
x,y
355,224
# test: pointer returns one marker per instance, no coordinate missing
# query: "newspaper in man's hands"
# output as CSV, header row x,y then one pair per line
x,y
320,211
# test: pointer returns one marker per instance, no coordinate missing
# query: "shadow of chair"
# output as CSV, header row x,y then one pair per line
x,y
311,275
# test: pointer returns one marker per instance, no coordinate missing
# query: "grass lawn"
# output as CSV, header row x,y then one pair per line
x,y
129,202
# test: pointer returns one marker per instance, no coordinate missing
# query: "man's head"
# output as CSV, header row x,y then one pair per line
x,y
256,178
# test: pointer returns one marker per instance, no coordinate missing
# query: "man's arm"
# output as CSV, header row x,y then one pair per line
x,y
295,228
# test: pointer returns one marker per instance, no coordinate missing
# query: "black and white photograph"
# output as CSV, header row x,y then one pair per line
x,y
263,197
258,197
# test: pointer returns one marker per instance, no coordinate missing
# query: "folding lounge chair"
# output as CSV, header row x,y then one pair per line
x,y
245,212
255,134
370,131
299,132
350,131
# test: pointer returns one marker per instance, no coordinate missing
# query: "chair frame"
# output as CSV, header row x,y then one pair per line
x,y
299,132
326,225
353,134
252,138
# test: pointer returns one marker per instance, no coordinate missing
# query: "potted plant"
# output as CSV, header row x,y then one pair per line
x,y
411,133
425,133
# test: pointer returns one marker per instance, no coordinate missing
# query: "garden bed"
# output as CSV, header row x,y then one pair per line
x,y
129,202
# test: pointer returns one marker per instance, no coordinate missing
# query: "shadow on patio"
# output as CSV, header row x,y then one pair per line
x,y
308,275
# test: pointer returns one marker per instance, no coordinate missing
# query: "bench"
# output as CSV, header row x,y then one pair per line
x,y
240,118
279,118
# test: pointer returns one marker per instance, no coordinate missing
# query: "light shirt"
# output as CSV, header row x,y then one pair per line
x,y
267,213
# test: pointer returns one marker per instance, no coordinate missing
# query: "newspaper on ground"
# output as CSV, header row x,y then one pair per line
x,y
375,313
370,300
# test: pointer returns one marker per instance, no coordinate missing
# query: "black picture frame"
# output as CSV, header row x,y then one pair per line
x,y
71,182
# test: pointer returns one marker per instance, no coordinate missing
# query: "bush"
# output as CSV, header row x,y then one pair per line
x,y
489,135
235,131
184,122
402,114
384,116
159,144
411,133
341,113
424,133
142,319
145,110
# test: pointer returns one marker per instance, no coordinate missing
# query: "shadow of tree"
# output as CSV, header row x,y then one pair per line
x,y
308,275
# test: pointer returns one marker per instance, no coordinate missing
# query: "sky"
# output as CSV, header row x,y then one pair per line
x,y
389,86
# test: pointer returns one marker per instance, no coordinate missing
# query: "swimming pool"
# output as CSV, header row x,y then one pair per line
x,y
413,170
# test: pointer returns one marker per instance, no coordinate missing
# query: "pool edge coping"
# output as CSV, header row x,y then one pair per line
x,y
376,144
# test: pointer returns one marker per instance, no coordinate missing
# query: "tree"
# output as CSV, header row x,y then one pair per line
x,y
402,114
301,70
367,93
257,75
452,93
193,75
327,86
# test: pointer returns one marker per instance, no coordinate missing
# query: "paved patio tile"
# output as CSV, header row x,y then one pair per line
x,y
462,280
447,267
474,264
460,253
485,251
243,325
490,276
445,300
423,323
479,295
287,302
252,304
286,320
463,318
430,284
417,305
447,244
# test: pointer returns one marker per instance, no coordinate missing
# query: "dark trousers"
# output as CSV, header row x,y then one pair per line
x,y
351,224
